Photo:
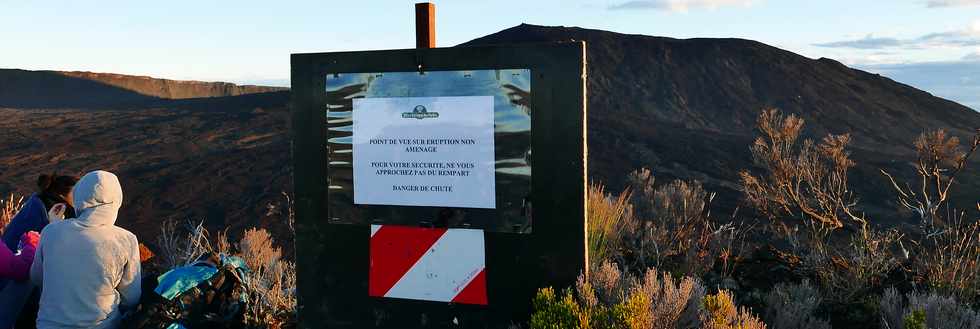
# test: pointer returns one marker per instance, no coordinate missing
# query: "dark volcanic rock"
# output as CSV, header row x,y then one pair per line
x,y
222,161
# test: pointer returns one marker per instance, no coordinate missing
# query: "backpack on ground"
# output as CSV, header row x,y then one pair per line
x,y
211,293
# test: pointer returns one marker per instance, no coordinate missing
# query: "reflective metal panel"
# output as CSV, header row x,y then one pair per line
x,y
511,91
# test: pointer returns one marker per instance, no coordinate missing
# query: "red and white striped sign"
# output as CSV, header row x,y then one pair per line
x,y
434,264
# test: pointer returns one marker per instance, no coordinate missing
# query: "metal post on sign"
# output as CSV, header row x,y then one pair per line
x,y
425,25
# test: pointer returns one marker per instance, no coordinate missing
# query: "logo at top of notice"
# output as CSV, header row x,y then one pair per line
x,y
419,112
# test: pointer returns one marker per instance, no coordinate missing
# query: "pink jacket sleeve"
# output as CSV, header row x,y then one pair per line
x,y
17,267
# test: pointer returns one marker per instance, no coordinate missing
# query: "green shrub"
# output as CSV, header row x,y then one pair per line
x,y
555,312
612,299
552,311
916,320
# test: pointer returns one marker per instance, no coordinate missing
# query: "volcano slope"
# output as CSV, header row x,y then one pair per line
x,y
683,108
687,109
221,158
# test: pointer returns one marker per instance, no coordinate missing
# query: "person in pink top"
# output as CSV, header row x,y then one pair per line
x,y
17,266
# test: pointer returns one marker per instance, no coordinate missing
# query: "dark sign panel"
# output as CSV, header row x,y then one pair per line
x,y
418,201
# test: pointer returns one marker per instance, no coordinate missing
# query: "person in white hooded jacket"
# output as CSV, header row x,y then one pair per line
x,y
87,267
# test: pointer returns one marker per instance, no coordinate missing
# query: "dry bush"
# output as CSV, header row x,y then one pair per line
x,y
671,227
272,283
610,298
605,215
720,312
794,307
183,244
805,181
939,159
940,312
671,220
949,259
656,300
672,301
8,209
850,270
730,244
258,249
947,251
804,191
605,285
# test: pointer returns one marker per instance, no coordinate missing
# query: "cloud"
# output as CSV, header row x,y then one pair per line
x,y
958,80
868,42
951,3
967,37
678,5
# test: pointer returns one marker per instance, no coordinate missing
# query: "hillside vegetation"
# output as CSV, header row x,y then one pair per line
x,y
801,257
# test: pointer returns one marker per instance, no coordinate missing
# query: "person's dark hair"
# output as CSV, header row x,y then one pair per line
x,y
59,185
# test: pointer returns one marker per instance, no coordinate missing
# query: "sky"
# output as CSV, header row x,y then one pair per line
x,y
930,44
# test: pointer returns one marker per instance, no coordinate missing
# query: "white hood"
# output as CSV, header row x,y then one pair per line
x,y
98,197
88,267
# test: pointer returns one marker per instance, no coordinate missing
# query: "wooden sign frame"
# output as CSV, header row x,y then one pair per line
x,y
332,259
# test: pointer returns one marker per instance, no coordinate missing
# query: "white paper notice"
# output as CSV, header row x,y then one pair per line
x,y
424,151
